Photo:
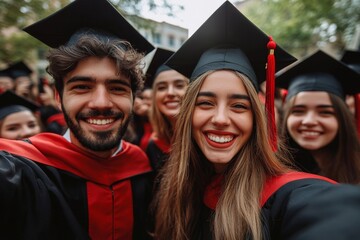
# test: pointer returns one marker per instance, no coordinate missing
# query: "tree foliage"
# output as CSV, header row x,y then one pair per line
x,y
303,25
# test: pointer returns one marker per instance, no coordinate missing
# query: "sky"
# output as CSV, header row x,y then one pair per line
x,y
194,14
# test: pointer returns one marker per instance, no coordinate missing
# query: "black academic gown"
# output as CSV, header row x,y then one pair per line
x,y
51,189
158,152
308,208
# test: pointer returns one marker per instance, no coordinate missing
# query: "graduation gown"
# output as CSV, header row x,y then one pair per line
x,y
158,152
309,207
51,189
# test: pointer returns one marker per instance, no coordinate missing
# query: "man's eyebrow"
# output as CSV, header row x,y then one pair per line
x,y
90,79
119,81
80,78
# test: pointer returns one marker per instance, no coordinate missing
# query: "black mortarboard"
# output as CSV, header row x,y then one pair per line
x,y
352,59
19,69
12,103
5,73
227,40
97,16
319,72
156,65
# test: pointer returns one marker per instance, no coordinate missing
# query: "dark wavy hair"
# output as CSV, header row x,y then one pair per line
x,y
64,59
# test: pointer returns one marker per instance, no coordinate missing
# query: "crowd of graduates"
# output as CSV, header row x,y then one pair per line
x,y
217,146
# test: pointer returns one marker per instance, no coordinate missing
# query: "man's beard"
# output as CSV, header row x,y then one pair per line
x,y
100,141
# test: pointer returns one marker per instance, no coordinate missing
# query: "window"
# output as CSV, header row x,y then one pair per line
x,y
157,38
171,41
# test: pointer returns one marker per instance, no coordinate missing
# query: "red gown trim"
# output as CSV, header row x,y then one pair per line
x,y
54,150
161,144
213,190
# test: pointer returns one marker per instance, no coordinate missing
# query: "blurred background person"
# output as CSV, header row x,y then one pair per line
x,y
17,117
21,73
140,123
318,125
40,92
168,88
6,81
352,59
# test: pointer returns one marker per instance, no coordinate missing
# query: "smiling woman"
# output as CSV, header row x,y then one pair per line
x,y
317,123
168,88
222,179
17,117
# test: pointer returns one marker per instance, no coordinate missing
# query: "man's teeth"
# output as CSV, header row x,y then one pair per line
x,y
221,139
100,121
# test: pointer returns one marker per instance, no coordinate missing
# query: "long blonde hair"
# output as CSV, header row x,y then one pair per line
x,y
187,172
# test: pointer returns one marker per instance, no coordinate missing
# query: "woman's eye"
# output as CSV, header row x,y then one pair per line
x,y
327,112
241,106
161,88
296,111
203,103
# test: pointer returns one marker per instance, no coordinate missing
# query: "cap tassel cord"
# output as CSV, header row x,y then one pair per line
x,y
270,94
357,111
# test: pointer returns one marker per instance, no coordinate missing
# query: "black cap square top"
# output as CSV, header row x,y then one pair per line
x,y
319,72
156,65
227,40
98,15
19,69
352,59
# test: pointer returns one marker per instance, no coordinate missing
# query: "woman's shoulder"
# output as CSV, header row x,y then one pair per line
x,y
314,208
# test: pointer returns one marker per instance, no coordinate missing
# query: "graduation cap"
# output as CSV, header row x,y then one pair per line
x,y
352,59
11,103
19,69
5,73
97,17
228,40
319,72
157,65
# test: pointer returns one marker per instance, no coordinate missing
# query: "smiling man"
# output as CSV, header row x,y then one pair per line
x,y
89,183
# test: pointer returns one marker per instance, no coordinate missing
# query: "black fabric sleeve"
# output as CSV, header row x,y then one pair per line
x,y
31,205
314,209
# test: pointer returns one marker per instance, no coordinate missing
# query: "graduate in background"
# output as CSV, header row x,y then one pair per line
x,y
352,59
23,84
18,119
89,183
223,180
141,126
168,88
318,125
6,80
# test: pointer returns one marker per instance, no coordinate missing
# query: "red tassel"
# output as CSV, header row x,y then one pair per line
x,y
270,94
357,111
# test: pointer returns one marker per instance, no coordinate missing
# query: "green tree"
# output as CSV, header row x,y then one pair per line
x,y
303,25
